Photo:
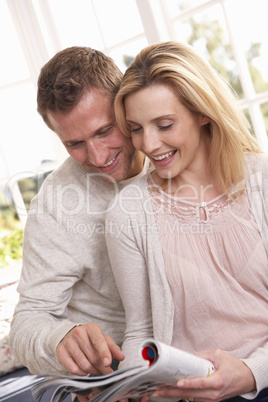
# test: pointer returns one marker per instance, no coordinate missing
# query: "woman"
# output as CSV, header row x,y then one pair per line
x,y
188,242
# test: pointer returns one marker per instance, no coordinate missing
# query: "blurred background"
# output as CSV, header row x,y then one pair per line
x,y
231,34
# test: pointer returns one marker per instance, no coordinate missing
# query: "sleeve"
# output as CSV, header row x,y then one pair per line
x,y
258,364
258,193
128,264
49,273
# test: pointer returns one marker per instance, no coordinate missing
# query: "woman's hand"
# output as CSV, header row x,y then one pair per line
x,y
232,377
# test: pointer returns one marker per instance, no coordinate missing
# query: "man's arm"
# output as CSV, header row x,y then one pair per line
x,y
52,266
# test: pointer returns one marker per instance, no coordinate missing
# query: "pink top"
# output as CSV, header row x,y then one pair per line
x,y
216,269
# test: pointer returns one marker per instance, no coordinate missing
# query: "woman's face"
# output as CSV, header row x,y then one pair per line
x,y
166,131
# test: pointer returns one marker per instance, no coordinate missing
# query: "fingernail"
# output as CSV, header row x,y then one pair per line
x,y
180,383
106,362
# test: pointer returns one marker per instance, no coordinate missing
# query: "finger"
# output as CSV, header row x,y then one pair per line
x,y
71,366
178,394
64,354
88,348
85,350
71,353
91,364
200,388
195,383
78,364
215,356
115,350
98,350
171,393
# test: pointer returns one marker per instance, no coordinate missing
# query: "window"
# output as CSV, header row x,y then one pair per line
x,y
37,29
232,34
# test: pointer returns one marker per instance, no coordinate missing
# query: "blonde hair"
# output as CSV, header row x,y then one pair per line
x,y
203,92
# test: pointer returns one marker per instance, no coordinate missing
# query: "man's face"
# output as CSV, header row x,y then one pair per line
x,y
92,138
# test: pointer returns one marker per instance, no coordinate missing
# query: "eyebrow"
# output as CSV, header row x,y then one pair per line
x,y
71,142
167,116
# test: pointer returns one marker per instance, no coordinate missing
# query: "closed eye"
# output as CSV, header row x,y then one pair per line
x,y
105,131
73,144
165,127
135,130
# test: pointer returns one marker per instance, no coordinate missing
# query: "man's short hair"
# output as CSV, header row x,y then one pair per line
x,y
69,74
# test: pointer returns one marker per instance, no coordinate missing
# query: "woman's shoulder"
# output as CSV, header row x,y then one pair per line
x,y
256,163
131,199
141,182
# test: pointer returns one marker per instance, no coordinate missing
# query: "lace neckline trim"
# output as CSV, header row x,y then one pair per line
x,y
153,188
203,211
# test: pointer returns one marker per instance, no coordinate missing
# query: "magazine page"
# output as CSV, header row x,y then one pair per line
x,y
17,385
80,384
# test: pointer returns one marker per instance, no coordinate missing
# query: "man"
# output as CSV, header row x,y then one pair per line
x,y
70,317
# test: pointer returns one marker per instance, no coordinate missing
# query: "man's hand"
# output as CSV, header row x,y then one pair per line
x,y
85,349
231,378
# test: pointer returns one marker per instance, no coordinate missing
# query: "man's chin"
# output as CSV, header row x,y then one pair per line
x,y
111,177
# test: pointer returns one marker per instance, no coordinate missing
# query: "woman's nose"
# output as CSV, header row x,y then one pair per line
x,y
151,142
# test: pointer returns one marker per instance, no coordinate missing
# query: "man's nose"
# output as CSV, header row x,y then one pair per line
x,y
97,153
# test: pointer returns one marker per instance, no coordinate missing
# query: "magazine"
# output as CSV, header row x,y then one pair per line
x,y
165,365
17,387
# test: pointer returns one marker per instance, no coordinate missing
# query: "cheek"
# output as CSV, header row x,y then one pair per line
x,y
119,139
136,141
79,155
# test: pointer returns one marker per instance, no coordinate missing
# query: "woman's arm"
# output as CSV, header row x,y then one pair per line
x,y
231,378
130,272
